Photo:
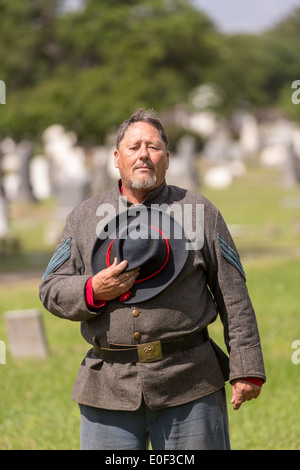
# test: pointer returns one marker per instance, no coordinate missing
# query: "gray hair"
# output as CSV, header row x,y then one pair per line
x,y
142,115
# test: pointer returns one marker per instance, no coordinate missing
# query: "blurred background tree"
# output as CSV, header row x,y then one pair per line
x,y
90,68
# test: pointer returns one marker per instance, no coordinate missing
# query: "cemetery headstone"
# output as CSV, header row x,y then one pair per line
x,y
291,168
26,334
183,170
68,172
24,150
3,205
40,178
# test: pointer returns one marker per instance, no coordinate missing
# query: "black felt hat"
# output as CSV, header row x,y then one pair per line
x,y
147,238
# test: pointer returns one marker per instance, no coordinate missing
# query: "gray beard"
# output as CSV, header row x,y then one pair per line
x,y
145,183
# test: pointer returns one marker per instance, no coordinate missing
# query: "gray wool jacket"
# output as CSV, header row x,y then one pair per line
x,y
211,283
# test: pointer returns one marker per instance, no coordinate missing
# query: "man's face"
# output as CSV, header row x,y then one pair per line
x,y
142,158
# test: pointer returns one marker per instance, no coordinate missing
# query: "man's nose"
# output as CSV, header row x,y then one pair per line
x,y
144,151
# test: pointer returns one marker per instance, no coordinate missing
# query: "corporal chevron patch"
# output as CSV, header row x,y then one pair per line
x,y
231,256
60,256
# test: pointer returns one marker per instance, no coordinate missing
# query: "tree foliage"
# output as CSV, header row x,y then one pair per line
x,y
88,69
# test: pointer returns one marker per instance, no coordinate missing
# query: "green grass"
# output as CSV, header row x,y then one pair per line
x,y
36,410
272,421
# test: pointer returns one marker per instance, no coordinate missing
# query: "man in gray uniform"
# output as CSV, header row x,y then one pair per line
x,y
145,305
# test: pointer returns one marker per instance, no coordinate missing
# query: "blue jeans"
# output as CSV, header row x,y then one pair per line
x,y
201,424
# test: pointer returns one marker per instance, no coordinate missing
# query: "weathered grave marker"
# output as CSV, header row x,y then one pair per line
x,y
26,334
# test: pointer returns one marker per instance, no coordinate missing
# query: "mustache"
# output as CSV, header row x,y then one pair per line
x,y
144,165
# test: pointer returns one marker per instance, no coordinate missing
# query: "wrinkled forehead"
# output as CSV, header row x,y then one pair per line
x,y
142,132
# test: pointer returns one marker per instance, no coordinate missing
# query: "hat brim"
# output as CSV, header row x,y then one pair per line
x,y
148,289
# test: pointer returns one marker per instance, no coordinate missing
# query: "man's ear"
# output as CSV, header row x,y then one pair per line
x,y
116,158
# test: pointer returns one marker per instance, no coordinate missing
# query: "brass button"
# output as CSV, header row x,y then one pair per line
x,y
137,335
135,312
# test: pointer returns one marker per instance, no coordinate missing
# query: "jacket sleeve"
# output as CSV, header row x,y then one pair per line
x,y
63,286
227,282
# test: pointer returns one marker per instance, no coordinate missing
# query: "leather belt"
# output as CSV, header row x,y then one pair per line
x,y
148,352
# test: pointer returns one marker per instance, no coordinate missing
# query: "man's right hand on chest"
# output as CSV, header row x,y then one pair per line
x,y
112,282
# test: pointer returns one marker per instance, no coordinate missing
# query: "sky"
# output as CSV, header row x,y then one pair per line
x,y
239,16
236,16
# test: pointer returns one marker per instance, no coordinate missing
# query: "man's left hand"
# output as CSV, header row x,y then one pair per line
x,y
243,391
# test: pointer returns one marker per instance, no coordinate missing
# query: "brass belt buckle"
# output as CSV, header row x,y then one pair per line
x,y
150,352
